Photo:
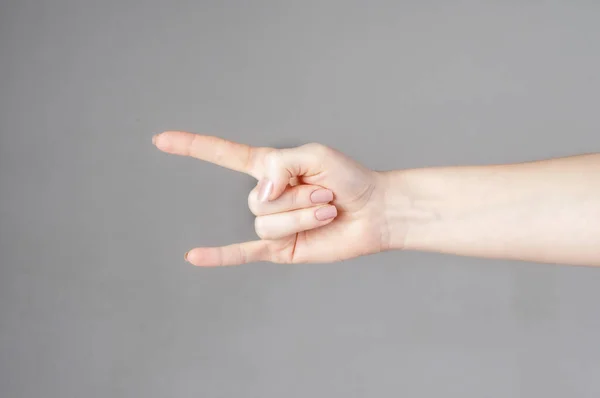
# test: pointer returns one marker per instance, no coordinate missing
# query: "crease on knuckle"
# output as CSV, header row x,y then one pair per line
x,y
248,162
294,198
222,147
243,254
191,149
220,257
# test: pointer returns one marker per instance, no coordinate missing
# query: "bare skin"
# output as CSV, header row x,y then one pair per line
x,y
314,204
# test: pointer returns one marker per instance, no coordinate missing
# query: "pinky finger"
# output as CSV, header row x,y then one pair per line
x,y
236,254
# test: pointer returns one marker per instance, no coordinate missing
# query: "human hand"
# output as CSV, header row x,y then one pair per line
x,y
312,203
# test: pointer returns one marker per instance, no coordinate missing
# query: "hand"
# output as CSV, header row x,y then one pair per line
x,y
312,203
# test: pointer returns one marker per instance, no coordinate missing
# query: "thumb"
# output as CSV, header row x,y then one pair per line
x,y
282,165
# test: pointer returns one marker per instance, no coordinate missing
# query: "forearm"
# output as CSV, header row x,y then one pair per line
x,y
546,211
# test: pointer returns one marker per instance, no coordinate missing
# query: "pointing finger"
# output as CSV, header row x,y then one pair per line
x,y
236,254
229,154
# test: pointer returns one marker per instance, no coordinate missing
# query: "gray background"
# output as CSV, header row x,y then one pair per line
x,y
95,298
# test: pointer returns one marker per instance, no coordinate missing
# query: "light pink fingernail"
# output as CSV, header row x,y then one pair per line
x,y
264,191
321,196
325,213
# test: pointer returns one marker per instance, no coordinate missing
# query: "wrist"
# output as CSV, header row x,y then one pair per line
x,y
409,212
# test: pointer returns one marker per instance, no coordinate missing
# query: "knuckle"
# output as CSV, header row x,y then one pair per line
x,y
272,158
318,148
305,218
259,228
253,204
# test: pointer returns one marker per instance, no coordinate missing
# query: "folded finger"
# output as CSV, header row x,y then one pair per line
x,y
275,226
293,198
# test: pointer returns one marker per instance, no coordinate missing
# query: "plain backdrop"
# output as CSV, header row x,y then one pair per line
x,y
95,298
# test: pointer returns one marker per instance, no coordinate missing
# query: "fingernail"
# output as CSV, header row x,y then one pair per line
x,y
154,139
185,256
325,213
266,187
321,196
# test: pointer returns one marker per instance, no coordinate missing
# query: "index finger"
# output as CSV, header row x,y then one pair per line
x,y
229,154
